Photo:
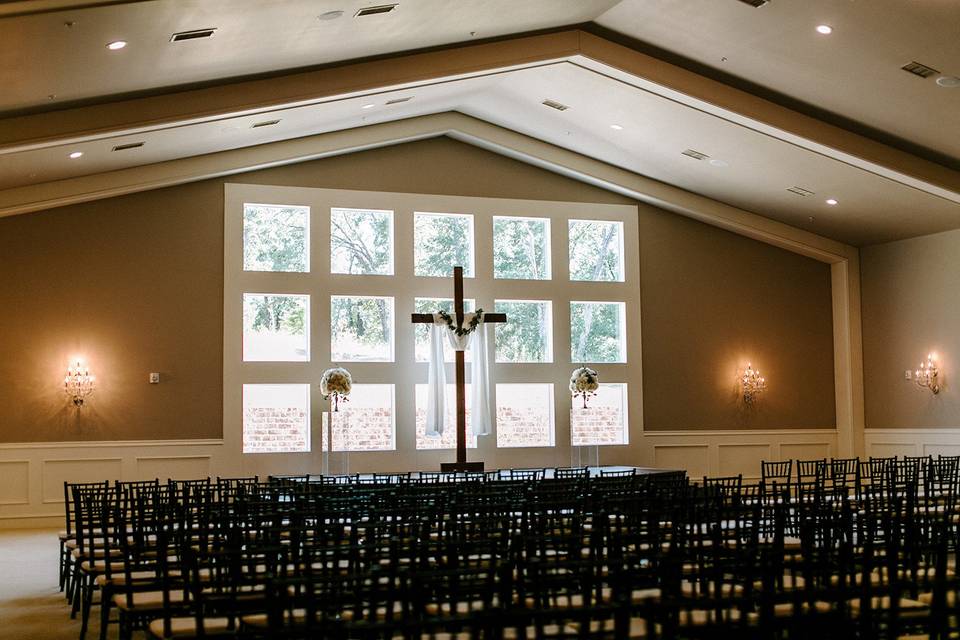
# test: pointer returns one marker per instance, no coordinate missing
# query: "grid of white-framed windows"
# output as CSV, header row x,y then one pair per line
x,y
317,278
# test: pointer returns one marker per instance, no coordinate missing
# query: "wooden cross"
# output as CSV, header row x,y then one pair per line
x,y
427,318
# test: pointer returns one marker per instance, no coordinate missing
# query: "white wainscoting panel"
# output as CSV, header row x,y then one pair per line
x,y
14,482
912,442
56,472
177,467
693,458
727,453
805,450
32,474
743,459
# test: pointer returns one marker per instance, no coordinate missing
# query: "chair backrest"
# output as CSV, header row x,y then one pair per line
x,y
525,474
617,473
69,508
571,472
781,471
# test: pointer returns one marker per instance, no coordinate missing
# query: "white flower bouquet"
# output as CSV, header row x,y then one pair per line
x,y
336,383
584,383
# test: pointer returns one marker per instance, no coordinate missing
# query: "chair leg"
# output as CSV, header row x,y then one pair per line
x,y
63,563
87,602
106,600
76,595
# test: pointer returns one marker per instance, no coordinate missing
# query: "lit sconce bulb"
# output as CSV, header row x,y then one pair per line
x,y
928,374
78,383
752,383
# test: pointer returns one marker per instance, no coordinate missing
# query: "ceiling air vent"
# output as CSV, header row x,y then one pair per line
x,y
918,69
696,155
265,123
375,11
800,191
755,3
196,34
553,104
398,100
129,145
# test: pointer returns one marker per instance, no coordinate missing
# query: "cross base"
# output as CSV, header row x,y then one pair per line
x,y
460,467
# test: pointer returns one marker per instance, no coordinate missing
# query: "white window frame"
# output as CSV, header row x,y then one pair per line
x,y
404,372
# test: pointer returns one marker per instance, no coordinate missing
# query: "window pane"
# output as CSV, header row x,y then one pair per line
x,y
448,440
596,250
527,335
442,241
276,328
366,422
422,331
361,329
521,248
361,241
276,238
597,332
276,418
524,415
604,421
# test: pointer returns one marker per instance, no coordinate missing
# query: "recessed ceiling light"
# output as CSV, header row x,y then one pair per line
x,y
824,29
832,202
75,155
368,106
116,45
616,127
949,82
717,162
330,15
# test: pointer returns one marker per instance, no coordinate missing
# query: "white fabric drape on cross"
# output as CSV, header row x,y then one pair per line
x,y
481,411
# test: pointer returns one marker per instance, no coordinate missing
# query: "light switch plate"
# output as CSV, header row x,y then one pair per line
x,y
154,378
907,375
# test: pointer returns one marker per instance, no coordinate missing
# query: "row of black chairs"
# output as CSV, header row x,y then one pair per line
x,y
512,556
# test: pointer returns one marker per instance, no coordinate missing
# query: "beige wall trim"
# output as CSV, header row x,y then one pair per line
x,y
110,444
730,433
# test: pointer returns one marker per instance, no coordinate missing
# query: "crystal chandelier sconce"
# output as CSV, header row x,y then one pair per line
x,y
928,375
79,383
753,384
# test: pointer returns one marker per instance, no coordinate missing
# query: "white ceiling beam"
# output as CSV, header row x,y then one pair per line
x,y
456,125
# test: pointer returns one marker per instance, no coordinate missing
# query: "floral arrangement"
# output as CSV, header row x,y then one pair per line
x,y
336,383
460,331
584,383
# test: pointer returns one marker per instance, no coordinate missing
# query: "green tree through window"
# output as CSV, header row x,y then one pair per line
x,y
275,238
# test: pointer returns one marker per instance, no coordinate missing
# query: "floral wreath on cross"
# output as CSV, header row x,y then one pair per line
x,y
460,331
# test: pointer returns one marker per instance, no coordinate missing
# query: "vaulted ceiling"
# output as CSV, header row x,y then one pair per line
x,y
772,104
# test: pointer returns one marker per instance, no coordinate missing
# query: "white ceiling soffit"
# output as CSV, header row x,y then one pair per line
x,y
57,47
455,125
662,111
854,72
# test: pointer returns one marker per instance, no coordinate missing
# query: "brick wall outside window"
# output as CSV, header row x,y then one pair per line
x,y
275,430
596,426
362,429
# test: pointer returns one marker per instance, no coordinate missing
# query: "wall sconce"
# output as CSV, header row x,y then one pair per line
x,y
928,375
752,383
78,383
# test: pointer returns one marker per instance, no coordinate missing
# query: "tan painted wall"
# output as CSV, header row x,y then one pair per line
x,y
911,306
135,284
714,301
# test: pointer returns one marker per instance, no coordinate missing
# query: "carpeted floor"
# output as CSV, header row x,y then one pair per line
x,y
31,605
